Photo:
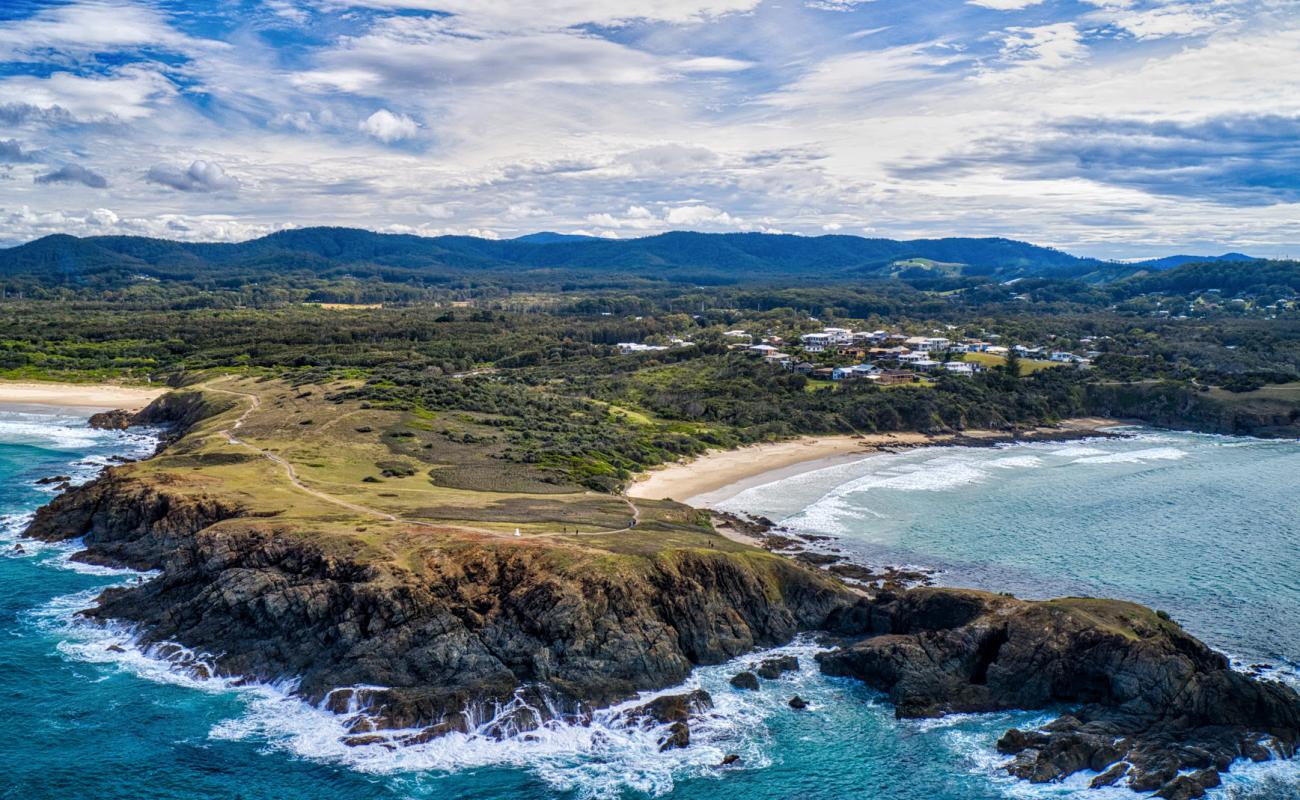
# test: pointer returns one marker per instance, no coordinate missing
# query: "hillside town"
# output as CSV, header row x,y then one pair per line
x,y
886,358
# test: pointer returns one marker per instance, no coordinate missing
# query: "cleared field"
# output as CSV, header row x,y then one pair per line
x,y
1028,366
395,484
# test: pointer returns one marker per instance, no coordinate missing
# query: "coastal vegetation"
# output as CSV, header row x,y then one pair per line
x,y
398,483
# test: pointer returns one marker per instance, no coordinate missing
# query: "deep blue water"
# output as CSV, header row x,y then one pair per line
x,y
1209,533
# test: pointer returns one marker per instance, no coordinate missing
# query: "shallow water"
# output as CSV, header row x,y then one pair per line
x,y
1204,527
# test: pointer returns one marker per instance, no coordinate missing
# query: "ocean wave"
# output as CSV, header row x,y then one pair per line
x,y
603,759
1136,456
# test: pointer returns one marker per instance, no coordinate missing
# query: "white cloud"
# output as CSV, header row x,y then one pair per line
x,y
510,15
93,26
1004,5
127,94
696,215
1029,52
201,176
388,127
635,217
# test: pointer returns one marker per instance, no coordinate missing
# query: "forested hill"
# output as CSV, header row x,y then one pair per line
x,y
678,256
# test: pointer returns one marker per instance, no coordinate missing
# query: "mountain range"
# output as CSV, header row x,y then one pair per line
x,y
677,256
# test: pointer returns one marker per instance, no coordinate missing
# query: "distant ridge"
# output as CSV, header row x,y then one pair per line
x,y
551,237
1169,262
679,256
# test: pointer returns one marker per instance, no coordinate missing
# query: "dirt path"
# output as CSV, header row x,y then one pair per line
x,y
255,403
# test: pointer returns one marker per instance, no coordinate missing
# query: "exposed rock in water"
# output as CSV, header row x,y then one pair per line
x,y
729,759
818,559
1145,692
50,479
475,624
745,680
798,703
772,668
116,420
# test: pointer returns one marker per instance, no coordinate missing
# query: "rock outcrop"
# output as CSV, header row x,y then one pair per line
x,y
1149,701
470,624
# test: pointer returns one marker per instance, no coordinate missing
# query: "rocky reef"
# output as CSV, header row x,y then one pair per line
x,y
1149,705
464,625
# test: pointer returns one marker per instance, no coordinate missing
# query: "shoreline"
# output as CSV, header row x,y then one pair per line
x,y
720,474
90,396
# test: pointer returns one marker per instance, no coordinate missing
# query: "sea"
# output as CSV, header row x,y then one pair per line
x,y
1206,528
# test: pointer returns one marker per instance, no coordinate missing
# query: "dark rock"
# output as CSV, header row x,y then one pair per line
x,y
672,708
116,420
818,559
114,648
1209,778
679,735
1111,776
745,680
1184,787
1146,692
772,668
729,759
53,479
798,703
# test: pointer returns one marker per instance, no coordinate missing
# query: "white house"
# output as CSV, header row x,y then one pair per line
x,y
816,342
637,347
959,368
855,371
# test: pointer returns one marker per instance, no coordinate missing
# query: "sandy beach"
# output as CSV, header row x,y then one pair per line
x,y
707,476
77,395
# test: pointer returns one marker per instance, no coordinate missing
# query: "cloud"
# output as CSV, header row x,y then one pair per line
x,y
388,127
11,152
123,95
636,217
1230,160
1004,5
692,216
74,173
92,26
1027,53
1177,19
201,176
510,15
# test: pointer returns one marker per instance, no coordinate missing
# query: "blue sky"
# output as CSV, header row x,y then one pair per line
x,y
1115,128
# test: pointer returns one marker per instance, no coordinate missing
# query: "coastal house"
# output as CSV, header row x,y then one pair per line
x,y
854,372
636,347
926,365
959,368
804,367
1063,357
761,349
823,374
816,342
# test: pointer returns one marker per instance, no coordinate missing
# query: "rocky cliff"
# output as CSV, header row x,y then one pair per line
x,y
1148,700
460,625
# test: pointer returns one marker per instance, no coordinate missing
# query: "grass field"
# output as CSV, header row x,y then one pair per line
x,y
1028,366
396,485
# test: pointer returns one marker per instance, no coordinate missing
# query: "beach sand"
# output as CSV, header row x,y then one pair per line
x,y
721,473
77,395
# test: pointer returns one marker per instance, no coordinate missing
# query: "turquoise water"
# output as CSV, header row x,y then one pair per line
x,y
1208,532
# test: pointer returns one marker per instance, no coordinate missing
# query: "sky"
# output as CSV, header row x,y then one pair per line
x,y
1109,128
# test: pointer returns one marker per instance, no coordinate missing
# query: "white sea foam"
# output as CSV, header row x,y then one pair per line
x,y
1136,456
605,758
